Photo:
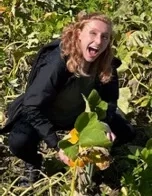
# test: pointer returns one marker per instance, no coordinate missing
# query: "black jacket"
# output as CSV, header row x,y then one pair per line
x,y
53,98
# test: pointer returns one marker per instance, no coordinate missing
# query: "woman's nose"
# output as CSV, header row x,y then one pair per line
x,y
98,40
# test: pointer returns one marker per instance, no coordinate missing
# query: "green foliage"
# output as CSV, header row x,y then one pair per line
x,y
91,132
133,45
87,144
139,182
27,25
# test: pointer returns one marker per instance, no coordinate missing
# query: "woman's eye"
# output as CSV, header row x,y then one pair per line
x,y
105,37
93,33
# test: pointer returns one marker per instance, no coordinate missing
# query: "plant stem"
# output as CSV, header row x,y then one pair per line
x,y
138,80
73,179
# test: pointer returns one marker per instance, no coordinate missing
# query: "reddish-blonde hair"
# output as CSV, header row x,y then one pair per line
x,y
70,48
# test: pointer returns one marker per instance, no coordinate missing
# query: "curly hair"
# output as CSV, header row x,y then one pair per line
x,y
70,47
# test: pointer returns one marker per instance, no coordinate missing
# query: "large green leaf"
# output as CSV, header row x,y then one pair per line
x,y
94,133
84,119
91,133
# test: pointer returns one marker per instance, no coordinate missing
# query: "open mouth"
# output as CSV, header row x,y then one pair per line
x,y
93,51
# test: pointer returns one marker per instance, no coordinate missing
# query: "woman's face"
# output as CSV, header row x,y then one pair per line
x,y
94,39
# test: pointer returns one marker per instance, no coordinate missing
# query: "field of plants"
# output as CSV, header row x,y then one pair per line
x,y
28,25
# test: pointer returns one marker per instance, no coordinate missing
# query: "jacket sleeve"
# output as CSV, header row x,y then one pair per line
x,y
51,77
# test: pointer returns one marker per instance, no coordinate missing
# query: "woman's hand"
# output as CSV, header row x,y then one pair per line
x,y
64,158
110,135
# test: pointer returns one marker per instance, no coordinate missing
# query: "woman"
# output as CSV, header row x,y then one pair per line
x,y
53,100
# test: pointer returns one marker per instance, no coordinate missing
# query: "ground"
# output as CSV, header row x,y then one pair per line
x,y
108,180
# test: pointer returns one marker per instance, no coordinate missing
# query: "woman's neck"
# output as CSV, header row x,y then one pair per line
x,y
86,67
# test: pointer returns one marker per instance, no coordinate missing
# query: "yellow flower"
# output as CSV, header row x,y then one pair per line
x,y
73,136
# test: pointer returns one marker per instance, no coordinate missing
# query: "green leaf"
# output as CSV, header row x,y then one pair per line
x,y
132,157
94,134
2,139
87,109
97,105
59,25
151,102
149,144
84,119
140,100
122,53
94,99
147,51
125,62
145,102
70,150
92,131
101,110
135,150
123,67
145,153
124,97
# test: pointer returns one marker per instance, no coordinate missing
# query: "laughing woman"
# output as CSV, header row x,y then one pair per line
x,y
80,61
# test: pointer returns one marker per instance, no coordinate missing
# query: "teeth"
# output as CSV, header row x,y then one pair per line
x,y
93,48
